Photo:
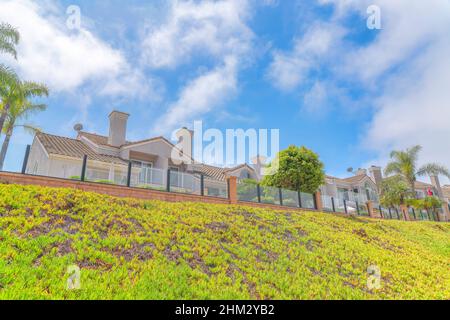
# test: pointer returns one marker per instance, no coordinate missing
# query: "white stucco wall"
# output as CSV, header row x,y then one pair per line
x,y
38,161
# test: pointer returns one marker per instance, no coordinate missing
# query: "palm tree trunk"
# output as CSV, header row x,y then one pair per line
x,y
3,116
5,146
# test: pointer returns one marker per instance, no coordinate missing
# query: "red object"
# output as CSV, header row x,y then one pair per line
x,y
430,193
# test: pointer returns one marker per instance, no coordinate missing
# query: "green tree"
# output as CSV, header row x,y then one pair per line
x,y
394,192
298,169
15,92
20,110
404,165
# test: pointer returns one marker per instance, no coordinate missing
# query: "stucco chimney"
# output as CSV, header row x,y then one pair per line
x,y
437,185
377,175
361,172
118,128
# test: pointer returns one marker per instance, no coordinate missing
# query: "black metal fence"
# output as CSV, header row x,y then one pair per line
x,y
249,191
128,175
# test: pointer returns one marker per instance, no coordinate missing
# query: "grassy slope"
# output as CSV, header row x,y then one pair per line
x,y
154,250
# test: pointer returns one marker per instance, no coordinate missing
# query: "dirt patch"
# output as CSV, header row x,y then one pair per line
x,y
197,262
311,245
361,233
94,265
217,226
142,252
62,249
266,255
248,216
302,233
173,255
288,236
64,223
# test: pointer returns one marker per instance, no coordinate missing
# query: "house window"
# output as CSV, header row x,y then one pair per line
x,y
146,172
175,177
343,194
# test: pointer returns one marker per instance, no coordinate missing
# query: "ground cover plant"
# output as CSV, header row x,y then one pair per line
x,y
130,249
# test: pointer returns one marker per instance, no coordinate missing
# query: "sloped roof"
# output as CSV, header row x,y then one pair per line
x,y
217,173
68,147
97,139
351,180
356,179
422,185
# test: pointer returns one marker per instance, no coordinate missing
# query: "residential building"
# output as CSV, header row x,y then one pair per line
x,y
109,156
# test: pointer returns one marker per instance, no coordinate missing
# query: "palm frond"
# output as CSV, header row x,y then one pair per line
x,y
413,153
33,89
7,76
433,169
9,38
29,128
392,168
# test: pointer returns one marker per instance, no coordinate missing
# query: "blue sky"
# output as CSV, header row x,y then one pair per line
x,y
309,68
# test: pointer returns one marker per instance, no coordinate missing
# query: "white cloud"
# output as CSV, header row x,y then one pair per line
x,y
208,28
63,59
409,61
289,70
211,30
200,96
404,71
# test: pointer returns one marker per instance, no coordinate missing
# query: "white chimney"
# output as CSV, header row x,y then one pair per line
x,y
117,128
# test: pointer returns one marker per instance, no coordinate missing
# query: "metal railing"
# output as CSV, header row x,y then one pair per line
x,y
142,178
250,191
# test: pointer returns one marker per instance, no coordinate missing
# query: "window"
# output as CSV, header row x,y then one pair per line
x,y
343,194
146,172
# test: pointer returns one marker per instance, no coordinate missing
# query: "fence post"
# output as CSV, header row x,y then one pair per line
x,y
371,209
258,191
381,212
25,159
232,190
318,201
414,214
168,180
281,196
345,206
83,168
332,204
202,185
398,214
130,166
300,199
357,208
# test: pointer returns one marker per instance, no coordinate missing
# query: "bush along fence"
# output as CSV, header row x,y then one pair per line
x,y
169,185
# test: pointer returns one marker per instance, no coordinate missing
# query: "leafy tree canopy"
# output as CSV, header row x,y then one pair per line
x,y
298,169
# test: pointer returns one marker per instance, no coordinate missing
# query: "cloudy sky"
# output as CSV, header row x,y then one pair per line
x,y
310,68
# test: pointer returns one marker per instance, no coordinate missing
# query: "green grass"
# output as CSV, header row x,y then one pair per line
x,y
129,249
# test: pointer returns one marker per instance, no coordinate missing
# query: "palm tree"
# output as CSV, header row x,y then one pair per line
x,y
9,38
19,111
18,92
404,164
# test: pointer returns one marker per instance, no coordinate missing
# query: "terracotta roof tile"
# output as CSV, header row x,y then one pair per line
x,y
73,148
